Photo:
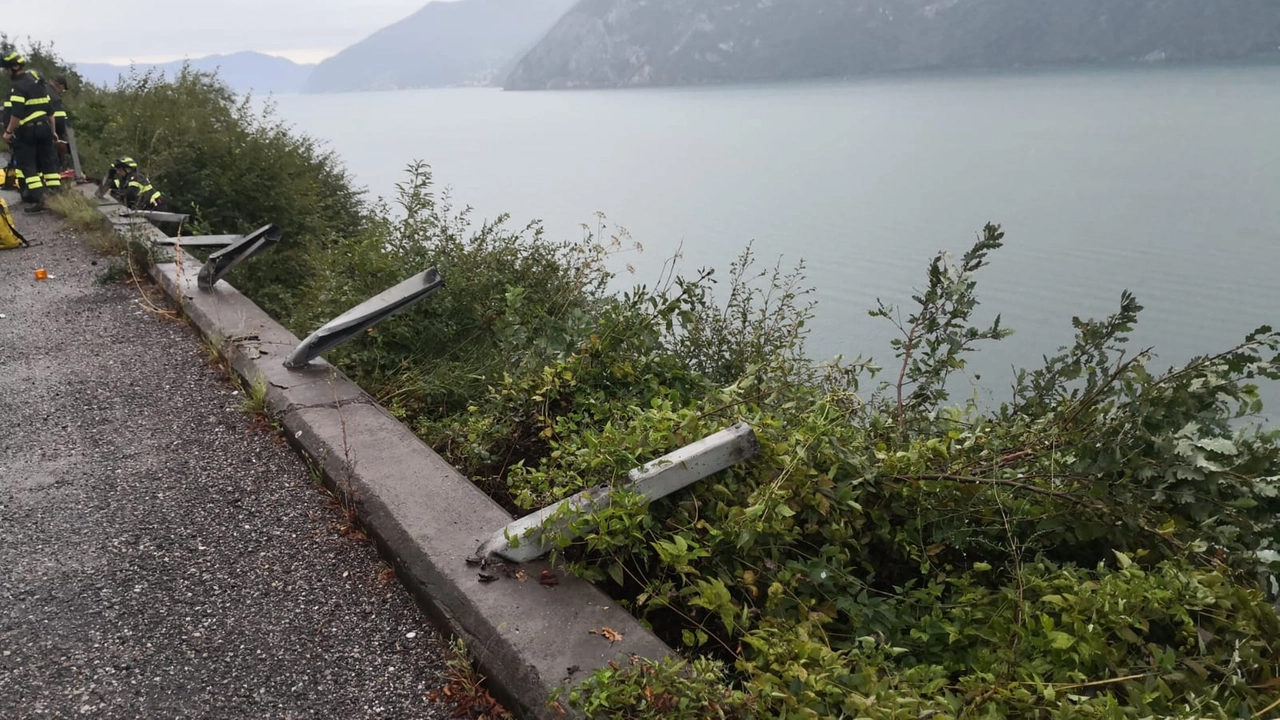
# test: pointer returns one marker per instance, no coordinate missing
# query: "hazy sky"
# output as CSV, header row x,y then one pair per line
x,y
160,30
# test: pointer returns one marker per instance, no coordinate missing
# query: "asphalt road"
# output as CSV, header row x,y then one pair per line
x,y
159,556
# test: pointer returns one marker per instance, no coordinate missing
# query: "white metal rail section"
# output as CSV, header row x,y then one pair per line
x,y
529,538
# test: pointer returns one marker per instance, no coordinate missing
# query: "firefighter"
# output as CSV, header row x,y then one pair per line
x,y
31,124
57,88
131,187
12,178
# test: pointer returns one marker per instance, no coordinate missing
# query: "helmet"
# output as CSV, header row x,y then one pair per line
x,y
12,61
126,163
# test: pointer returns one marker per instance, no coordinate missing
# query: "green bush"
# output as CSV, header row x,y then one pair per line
x,y
512,300
233,166
1092,549
42,58
1099,547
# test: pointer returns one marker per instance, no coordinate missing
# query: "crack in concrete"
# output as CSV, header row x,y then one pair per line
x,y
335,405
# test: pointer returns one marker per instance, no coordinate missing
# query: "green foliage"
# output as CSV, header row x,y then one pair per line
x,y
113,273
667,690
1092,549
44,59
231,164
254,401
937,336
764,317
512,299
227,160
1098,547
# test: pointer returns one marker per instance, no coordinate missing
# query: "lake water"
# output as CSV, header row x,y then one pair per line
x,y
1162,180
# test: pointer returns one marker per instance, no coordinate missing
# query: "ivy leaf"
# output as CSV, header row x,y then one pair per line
x,y
615,572
1059,640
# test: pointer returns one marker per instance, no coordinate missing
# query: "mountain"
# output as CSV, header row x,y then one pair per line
x,y
243,71
623,43
468,42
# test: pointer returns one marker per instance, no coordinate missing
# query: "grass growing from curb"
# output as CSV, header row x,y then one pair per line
x,y
83,216
464,688
76,209
255,399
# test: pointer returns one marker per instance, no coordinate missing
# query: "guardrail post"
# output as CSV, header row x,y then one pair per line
x,y
365,315
225,260
529,538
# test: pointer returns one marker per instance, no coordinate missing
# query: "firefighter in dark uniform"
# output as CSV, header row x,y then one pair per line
x,y
131,187
31,123
58,86
12,178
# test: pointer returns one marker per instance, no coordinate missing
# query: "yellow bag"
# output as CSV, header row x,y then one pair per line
x,y
10,238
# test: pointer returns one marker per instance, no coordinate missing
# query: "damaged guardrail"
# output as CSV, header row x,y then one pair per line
x,y
224,261
365,315
530,537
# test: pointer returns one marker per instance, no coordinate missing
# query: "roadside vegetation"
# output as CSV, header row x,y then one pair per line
x,y
1104,544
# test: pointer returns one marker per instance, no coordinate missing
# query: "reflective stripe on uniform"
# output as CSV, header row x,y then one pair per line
x,y
33,116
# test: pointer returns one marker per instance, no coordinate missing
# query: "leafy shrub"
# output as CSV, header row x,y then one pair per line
x,y
1092,548
513,297
233,166
1095,548
670,689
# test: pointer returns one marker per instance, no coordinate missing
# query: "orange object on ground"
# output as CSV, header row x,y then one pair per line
x,y
42,274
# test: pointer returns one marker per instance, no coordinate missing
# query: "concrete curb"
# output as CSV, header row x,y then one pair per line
x,y
530,640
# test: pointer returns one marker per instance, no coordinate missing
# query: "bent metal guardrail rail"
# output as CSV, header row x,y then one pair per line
x,y
200,241
225,260
366,315
530,537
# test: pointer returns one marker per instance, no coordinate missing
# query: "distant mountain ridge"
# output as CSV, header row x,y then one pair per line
x,y
243,71
468,42
627,43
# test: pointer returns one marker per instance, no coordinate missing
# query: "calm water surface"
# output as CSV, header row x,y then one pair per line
x,y
1160,180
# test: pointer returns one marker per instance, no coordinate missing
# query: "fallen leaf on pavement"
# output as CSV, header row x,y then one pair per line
x,y
609,634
